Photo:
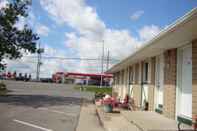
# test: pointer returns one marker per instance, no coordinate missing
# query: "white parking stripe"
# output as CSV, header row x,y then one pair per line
x,y
55,111
32,125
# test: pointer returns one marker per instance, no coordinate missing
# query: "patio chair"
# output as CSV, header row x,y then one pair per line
x,y
115,102
125,103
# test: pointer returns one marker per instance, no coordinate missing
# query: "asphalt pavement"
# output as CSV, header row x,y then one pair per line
x,y
31,106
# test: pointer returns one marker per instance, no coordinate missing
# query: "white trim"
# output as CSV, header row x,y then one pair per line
x,y
178,66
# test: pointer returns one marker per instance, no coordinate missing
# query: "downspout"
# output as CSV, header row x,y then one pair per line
x,y
129,81
141,82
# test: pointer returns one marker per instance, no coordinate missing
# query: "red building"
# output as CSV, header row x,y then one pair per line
x,y
82,78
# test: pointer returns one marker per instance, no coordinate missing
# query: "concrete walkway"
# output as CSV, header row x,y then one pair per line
x,y
115,121
152,121
88,120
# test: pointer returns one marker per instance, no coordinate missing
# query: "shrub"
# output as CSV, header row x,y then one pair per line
x,y
2,86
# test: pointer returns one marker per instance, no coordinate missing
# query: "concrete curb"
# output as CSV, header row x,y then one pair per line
x,y
99,118
77,123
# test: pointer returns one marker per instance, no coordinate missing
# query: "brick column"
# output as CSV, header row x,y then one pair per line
x,y
170,60
194,78
137,85
151,87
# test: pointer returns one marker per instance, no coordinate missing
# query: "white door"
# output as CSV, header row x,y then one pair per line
x,y
131,90
144,94
145,85
185,82
159,80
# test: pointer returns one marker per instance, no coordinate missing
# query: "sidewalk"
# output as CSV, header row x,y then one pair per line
x,y
115,121
152,121
88,120
137,121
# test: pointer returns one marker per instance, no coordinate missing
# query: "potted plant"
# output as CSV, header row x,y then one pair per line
x,y
107,103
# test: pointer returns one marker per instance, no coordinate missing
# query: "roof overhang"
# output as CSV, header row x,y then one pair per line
x,y
182,32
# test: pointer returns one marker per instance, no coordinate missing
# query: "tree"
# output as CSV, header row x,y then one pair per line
x,y
12,40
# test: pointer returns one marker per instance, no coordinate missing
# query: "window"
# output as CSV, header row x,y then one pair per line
x,y
122,80
145,72
131,75
118,78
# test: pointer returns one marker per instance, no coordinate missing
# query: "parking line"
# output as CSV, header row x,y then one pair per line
x,y
32,125
54,111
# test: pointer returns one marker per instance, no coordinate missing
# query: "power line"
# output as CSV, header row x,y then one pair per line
x,y
102,61
73,58
107,61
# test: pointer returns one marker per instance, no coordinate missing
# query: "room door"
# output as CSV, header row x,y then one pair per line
x,y
185,81
144,88
159,81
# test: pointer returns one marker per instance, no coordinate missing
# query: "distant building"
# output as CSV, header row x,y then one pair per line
x,y
82,78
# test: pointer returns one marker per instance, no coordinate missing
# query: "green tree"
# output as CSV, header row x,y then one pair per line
x,y
12,40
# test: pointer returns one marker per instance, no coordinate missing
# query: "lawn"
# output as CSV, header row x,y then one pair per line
x,y
95,89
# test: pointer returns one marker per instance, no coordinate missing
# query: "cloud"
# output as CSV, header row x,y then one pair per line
x,y
3,3
77,14
21,23
28,63
136,15
90,31
42,30
85,41
148,32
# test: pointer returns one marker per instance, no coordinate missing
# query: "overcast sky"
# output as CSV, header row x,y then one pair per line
x,y
76,29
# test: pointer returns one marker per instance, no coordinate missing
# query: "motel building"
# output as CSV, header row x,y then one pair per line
x,y
163,73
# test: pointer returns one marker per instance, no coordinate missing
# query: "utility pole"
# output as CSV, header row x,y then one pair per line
x,y
102,59
39,63
107,60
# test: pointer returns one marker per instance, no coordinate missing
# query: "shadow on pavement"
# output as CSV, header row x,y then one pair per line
x,y
36,101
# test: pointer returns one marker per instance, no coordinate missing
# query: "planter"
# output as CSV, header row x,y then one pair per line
x,y
108,108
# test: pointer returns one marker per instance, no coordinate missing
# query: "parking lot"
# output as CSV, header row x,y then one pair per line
x,y
33,106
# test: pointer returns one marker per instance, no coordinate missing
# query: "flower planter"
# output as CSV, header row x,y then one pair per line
x,y
108,108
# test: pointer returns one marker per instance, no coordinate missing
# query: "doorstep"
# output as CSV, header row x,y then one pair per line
x,y
114,121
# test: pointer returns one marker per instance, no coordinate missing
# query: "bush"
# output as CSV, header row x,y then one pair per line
x,y
2,86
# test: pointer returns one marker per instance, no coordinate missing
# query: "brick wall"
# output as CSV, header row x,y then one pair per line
x,y
194,77
125,84
137,94
136,86
151,87
170,60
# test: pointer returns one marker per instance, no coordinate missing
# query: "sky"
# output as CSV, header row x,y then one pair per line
x,y
79,28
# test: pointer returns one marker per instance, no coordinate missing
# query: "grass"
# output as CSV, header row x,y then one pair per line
x,y
95,89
